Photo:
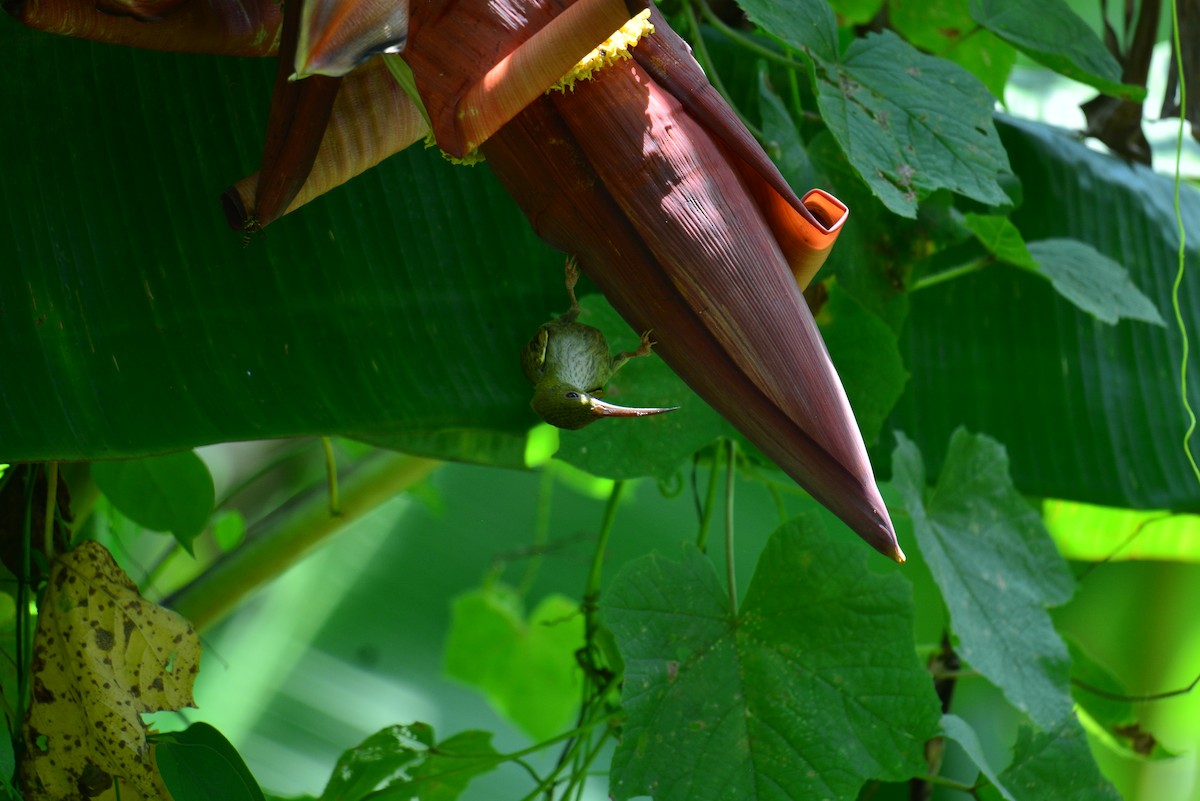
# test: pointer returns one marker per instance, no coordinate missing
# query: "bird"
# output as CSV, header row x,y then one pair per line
x,y
569,363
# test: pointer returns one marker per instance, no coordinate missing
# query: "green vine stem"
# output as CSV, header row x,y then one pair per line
x,y
214,593
331,477
1183,332
730,572
710,502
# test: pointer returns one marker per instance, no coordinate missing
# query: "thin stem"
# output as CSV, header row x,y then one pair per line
x,y
710,502
710,68
1183,332
1137,532
541,532
745,41
24,635
780,506
730,572
949,275
1135,699
51,508
331,476
592,589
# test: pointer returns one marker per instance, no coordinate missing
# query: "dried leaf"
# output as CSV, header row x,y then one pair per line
x,y
102,656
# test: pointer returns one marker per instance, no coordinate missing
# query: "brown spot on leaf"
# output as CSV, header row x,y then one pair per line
x,y
104,639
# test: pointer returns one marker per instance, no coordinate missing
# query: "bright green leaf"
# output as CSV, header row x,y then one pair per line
x,y
1092,281
1001,238
228,529
909,123
1049,32
199,764
526,668
1101,533
540,445
961,732
867,357
162,493
779,700
446,770
945,27
1056,765
381,756
997,569
856,12
642,446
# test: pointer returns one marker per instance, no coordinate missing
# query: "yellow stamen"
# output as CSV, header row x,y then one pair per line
x,y
613,49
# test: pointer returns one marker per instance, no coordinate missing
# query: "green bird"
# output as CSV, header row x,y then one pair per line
x,y
569,363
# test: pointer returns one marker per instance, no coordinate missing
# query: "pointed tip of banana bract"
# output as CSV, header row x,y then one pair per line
x,y
884,536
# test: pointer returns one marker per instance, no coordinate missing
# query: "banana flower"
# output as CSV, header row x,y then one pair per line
x,y
645,174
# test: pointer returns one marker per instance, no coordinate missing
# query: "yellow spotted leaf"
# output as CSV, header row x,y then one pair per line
x,y
102,656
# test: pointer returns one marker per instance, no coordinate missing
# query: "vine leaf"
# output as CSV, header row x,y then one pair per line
x,y
785,694
1092,281
1083,275
997,568
102,656
909,123
162,493
381,756
410,764
1056,765
1049,32
525,667
961,732
1002,239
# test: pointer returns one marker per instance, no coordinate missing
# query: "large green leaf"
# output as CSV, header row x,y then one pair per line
x,y
779,700
997,569
1056,765
909,123
1087,411
134,321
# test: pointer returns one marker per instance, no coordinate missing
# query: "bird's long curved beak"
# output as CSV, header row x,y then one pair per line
x,y
604,409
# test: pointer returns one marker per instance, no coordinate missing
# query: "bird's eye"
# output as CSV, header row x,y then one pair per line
x,y
572,396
